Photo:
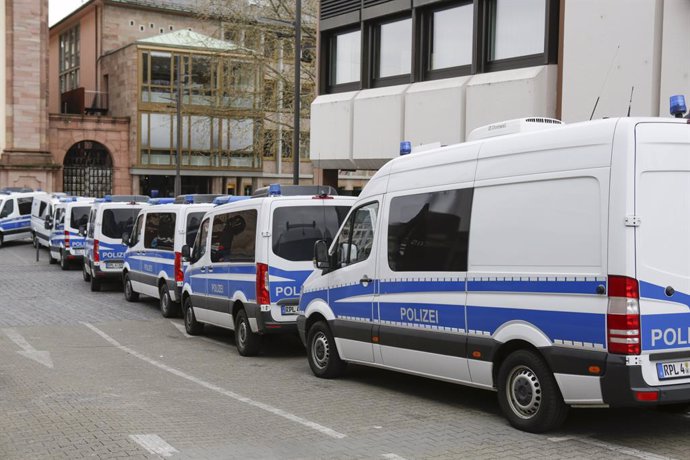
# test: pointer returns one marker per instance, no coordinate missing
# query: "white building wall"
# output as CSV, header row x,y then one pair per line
x,y
3,65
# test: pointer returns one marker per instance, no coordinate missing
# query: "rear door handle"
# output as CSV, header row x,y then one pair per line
x,y
365,280
210,269
202,269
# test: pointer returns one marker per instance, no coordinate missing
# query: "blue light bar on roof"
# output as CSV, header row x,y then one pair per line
x,y
155,201
274,190
678,107
229,199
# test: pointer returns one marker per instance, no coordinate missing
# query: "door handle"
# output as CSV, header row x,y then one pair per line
x,y
210,269
365,281
202,269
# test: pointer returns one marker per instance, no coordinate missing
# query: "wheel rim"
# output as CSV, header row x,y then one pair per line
x,y
165,300
524,392
320,350
188,316
128,288
242,332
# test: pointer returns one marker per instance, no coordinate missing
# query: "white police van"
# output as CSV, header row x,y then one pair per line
x,y
15,215
109,219
250,258
66,244
42,210
153,263
552,266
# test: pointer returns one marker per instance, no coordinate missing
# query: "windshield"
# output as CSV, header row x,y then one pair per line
x,y
193,222
296,229
118,221
79,217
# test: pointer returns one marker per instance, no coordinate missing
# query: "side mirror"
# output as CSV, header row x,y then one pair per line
x,y
82,230
125,239
186,253
321,259
48,224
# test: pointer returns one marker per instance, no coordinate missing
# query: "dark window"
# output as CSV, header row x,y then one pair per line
x,y
60,216
42,208
116,222
233,238
357,237
25,206
159,232
193,222
8,208
136,233
200,243
79,217
430,231
296,229
92,223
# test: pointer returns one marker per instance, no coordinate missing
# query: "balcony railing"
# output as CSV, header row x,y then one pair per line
x,y
84,102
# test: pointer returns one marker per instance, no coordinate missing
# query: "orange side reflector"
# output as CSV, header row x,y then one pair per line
x,y
476,354
596,370
375,339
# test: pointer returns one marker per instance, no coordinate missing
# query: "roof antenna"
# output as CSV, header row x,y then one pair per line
x,y
630,103
618,48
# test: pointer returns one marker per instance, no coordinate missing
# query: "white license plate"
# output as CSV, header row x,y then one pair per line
x,y
78,252
675,370
114,265
290,309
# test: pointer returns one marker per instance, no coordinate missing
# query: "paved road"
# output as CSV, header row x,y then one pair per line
x,y
88,375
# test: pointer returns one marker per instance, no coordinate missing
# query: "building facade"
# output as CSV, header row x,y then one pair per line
x,y
431,71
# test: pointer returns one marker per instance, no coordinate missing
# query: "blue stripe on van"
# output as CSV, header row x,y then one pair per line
x,y
423,314
531,286
289,289
653,291
15,223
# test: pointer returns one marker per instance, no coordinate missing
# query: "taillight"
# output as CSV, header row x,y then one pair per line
x,y
96,257
263,296
623,318
179,274
66,239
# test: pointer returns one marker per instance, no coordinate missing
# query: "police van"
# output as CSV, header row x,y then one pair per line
x,y
153,263
548,262
42,210
66,244
15,215
249,260
109,219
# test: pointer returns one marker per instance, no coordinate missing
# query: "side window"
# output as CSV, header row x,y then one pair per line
x,y
357,238
136,234
159,232
233,237
60,216
42,209
7,209
430,231
200,243
193,221
25,206
92,223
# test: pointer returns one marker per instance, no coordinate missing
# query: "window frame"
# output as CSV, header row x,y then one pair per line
x,y
349,222
328,69
374,46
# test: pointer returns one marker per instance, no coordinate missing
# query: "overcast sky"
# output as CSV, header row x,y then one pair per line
x,y
58,9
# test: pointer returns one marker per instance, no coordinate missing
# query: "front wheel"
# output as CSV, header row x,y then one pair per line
x,y
247,342
168,307
85,274
528,393
322,353
64,263
130,294
191,325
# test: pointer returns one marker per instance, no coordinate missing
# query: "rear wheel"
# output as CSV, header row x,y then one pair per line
x,y
322,353
190,323
168,307
64,263
130,294
247,342
85,274
95,284
528,393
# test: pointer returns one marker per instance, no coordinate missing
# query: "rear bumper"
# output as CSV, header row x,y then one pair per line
x,y
100,273
621,382
265,324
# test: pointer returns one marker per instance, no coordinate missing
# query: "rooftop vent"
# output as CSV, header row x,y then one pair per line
x,y
519,125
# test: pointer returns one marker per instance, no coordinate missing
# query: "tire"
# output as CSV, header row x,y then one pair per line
x,y
322,353
130,294
528,393
190,323
247,342
84,274
95,284
168,307
34,241
64,263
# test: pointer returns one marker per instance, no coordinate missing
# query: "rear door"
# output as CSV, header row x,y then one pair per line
x,y
662,204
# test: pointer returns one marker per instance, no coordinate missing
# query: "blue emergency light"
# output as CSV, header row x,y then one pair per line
x,y
108,199
274,190
405,148
189,199
678,107
228,199
155,201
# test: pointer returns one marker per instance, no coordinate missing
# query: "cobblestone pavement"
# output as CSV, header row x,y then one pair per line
x,y
88,375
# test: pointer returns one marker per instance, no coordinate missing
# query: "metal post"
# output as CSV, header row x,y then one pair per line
x,y
178,179
296,102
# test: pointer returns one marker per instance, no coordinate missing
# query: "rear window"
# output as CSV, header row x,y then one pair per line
x,y
193,222
159,231
296,229
25,206
118,221
79,217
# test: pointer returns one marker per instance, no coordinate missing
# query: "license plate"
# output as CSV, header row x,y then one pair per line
x,y
78,252
114,265
675,370
290,309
